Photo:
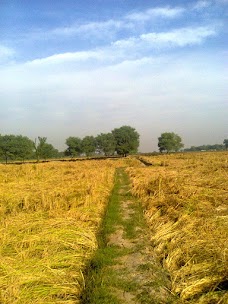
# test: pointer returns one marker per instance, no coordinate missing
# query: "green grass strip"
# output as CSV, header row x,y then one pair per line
x,y
98,276
102,280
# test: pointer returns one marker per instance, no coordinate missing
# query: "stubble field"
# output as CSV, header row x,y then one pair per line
x,y
185,197
49,217
50,214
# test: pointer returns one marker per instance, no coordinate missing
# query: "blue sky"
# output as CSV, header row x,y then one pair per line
x,y
77,68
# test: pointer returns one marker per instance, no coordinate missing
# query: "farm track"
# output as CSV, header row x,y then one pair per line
x,y
124,269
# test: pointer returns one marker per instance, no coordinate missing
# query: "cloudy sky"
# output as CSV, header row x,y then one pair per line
x,y
82,67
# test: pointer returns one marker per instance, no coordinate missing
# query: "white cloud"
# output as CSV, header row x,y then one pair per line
x,y
164,12
179,37
111,26
66,57
132,47
132,28
5,53
175,38
149,93
92,28
124,81
201,4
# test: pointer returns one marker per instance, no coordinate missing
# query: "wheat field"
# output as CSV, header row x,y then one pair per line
x,y
186,205
49,216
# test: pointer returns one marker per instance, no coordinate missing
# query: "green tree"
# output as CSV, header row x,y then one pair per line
x,y
43,149
24,147
106,143
8,147
15,147
169,141
74,146
38,146
88,145
48,151
225,142
127,140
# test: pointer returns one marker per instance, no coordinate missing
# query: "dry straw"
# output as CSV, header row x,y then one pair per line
x,y
186,204
49,216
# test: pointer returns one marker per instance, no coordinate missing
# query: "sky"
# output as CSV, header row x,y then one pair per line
x,y
85,67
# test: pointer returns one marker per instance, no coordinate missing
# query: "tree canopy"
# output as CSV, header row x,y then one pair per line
x,y
74,146
15,147
123,141
48,151
106,143
18,147
169,141
225,142
88,145
127,140
43,149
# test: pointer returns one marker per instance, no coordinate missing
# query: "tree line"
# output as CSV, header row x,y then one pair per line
x,y
171,142
18,147
216,147
120,141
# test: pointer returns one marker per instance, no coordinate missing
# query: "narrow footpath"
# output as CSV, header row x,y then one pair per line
x,y
124,269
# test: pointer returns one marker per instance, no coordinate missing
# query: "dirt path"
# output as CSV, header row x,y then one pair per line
x,y
129,272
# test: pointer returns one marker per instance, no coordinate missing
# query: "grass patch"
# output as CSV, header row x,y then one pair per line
x,y
136,221
109,273
144,267
99,276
